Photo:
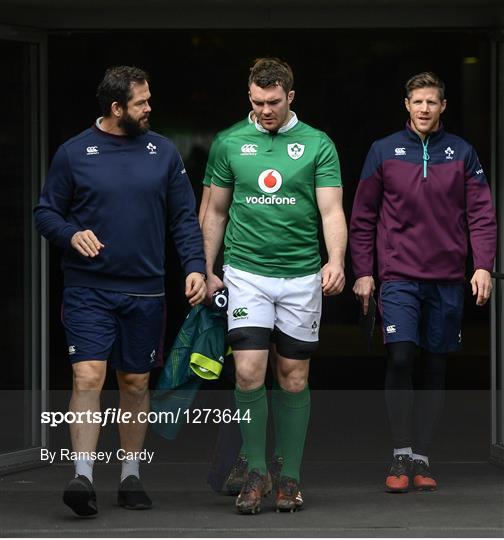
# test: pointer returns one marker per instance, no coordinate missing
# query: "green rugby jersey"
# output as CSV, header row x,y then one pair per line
x,y
207,179
273,218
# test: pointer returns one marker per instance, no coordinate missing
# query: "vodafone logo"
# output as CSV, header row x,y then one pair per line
x,y
270,181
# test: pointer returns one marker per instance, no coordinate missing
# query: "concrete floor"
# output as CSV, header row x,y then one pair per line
x,y
343,499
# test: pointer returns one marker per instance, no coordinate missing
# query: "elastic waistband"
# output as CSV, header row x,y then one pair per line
x,y
141,285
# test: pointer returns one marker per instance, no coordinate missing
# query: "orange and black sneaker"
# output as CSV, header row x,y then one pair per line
x,y
237,476
288,497
255,488
422,477
399,475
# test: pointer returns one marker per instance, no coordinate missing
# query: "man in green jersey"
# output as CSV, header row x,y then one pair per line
x,y
269,180
225,450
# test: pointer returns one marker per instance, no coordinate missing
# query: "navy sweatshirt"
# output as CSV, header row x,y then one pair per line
x,y
420,203
124,189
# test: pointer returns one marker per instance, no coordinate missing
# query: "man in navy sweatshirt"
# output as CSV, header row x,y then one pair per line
x,y
107,200
421,197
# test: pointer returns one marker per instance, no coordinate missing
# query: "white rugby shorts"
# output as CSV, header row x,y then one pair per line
x,y
293,305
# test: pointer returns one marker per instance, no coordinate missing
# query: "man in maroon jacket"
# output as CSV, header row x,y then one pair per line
x,y
422,195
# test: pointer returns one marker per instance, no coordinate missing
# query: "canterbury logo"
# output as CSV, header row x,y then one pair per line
x,y
240,313
92,150
249,150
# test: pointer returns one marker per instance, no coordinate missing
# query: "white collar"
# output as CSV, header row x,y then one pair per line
x,y
286,127
98,123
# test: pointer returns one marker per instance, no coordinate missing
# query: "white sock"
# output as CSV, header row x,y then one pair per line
x,y
84,467
407,450
130,467
425,459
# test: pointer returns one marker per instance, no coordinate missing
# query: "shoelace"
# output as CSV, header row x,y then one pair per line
x,y
289,487
421,467
400,466
253,482
135,484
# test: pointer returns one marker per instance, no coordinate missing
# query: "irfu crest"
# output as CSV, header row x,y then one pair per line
x,y
295,150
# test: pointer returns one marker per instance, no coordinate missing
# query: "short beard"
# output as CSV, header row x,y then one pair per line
x,y
132,127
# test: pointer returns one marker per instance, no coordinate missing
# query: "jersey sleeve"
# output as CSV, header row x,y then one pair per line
x,y
222,174
212,154
55,202
365,214
327,172
480,213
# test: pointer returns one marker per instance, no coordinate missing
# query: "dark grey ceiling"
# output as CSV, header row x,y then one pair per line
x,y
164,14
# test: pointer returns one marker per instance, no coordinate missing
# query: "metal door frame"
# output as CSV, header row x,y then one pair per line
x,y
497,301
30,457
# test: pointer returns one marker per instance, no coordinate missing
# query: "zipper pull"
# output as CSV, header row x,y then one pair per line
x,y
426,157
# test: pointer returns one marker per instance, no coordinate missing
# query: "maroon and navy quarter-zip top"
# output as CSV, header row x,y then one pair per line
x,y
420,202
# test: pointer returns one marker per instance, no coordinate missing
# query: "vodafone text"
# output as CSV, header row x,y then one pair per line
x,y
273,199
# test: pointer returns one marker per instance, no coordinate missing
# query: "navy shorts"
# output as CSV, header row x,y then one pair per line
x,y
106,325
428,314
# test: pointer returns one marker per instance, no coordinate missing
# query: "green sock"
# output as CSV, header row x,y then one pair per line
x,y
294,414
254,432
275,398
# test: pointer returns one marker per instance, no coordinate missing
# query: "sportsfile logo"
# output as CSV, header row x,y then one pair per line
x,y
249,150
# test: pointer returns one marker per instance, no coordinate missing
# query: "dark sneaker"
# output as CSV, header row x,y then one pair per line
x,y
255,488
131,494
275,469
80,496
422,477
398,479
288,497
237,476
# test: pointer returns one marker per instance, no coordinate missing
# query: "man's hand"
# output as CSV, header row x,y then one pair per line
x,y
214,283
86,243
195,288
363,288
481,284
333,279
